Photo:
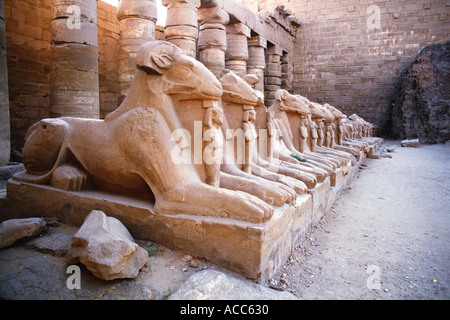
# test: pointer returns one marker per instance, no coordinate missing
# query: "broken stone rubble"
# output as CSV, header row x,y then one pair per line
x,y
16,229
40,263
106,248
413,143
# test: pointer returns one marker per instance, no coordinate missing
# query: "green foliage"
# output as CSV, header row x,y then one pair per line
x,y
152,250
298,158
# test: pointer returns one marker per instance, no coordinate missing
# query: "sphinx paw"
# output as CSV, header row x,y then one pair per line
x,y
68,178
249,208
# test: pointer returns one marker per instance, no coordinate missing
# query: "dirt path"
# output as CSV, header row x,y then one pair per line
x,y
387,236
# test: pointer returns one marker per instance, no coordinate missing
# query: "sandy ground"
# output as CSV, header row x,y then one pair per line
x,y
386,237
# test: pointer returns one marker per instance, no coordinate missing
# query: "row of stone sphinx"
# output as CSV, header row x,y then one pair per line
x,y
145,148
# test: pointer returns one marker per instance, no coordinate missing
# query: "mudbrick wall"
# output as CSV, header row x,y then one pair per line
x,y
350,53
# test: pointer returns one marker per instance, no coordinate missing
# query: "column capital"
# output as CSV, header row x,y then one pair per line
x,y
193,3
143,9
275,50
212,15
238,28
257,41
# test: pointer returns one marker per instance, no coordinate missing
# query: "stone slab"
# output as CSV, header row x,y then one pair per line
x,y
218,285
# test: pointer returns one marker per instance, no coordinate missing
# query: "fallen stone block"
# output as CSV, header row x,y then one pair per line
x,y
414,143
16,229
106,248
216,285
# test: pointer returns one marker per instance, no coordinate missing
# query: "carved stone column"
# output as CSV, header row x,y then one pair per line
x,y
5,138
272,74
237,48
74,88
257,60
181,24
137,19
212,39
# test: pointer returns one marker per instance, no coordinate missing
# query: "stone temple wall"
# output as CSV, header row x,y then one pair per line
x,y
343,56
346,53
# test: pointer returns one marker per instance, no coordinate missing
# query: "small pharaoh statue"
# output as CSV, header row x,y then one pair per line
x,y
213,151
250,138
320,133
303,134
314,135
275,135
332,135
329,135
271,133
340,132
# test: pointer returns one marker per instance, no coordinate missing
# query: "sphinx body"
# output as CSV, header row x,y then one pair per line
x,y
131,151
275,164
327,146
286,107
234,177
278,149
323,119
339,132
365,130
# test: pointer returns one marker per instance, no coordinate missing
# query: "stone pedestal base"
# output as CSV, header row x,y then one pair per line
x,y
319,200
256,251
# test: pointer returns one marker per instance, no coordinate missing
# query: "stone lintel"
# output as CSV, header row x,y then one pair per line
x,y
212,15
